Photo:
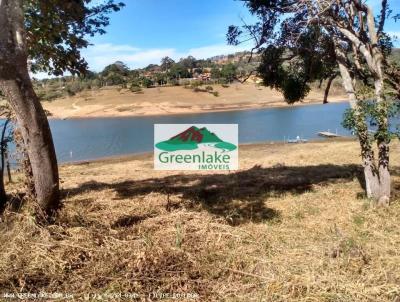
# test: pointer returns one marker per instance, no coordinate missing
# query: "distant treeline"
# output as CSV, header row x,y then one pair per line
x,y
186,72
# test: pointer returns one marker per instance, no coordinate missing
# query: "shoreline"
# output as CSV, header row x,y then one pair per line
x,y
195,112
111,102
144,155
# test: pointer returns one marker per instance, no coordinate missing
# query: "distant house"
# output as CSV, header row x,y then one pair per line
x,y
205,76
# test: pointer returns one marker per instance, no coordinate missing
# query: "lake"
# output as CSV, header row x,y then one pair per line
x,y
85,139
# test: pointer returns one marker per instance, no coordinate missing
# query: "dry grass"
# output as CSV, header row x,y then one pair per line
x,y
113,101
291,225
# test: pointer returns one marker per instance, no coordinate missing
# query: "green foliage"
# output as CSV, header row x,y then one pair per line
x,y
228,72
290,79
167,63
294,53
135,89
215,72
178,71
119,74
189,63
118,68
145,82
73,88
375,114
160,78
50,95
59,29
294,88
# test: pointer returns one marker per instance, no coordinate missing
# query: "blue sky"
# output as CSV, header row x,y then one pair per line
x,y
144,31
392,27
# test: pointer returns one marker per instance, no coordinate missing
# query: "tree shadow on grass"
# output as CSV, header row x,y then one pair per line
x,y
238,197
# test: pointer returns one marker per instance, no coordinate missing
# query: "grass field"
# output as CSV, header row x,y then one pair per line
x,y
292,225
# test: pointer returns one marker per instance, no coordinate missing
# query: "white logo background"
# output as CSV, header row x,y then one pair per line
x,y
226,132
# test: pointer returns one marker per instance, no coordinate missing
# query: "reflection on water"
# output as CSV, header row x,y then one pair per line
x,y
84,139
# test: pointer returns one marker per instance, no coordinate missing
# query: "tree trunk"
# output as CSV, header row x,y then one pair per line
x,y
373,58
17,87
371,173
328,88
383,143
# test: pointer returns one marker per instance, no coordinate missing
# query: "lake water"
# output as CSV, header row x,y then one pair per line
x,y
85,139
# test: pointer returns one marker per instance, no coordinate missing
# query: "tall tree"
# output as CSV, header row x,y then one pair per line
x,y
51,34
305,40
189,62
167,63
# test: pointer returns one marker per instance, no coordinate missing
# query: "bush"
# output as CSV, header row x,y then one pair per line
x,y
49,96
209,88
146,82
225,85
136,89
185,83
196,84
215,93
73,88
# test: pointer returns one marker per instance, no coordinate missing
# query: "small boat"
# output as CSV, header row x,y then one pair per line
x,y
328,134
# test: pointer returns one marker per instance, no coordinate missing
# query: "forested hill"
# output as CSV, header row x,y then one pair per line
x,y
218,69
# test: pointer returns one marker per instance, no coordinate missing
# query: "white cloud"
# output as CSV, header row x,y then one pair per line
x,y
214,50
99,56
108,47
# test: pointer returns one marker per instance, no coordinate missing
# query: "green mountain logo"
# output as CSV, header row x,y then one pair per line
x,y
191,138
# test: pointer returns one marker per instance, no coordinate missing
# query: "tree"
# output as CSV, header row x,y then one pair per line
x,y
166,63
51,33
228,72
305,40
118,68
215,72
178,71
189,63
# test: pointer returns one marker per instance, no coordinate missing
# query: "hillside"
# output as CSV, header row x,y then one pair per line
x,y
396,55
114,101
284,228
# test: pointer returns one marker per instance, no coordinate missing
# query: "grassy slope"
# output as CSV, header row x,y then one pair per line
x,y
292,225
111,101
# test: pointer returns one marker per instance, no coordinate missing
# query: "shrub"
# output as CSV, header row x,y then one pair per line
x,y
225,85
49,96
196,84
215,93
73,88
209,88
136,89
